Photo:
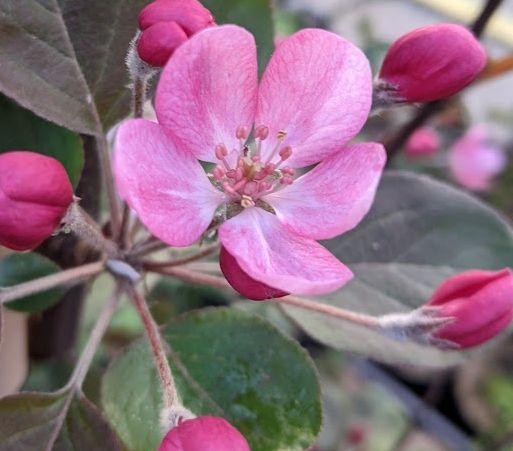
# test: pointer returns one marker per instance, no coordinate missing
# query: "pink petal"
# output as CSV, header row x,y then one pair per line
x,y
317,88
334,196
167,187
241,282
275,256
208,89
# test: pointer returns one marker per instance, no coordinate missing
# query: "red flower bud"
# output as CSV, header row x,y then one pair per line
x,y
204,434
35,193
165,24
422,143
431,63
481,303
243,283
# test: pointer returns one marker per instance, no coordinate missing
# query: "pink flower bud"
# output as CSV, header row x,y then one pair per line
x,y
166,24
243,283
432,62
35,193
204,434
422,143
474,162
480,302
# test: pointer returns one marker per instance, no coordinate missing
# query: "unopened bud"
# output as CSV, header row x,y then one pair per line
x,y
422,143
35,193
430,63
207,432
242,282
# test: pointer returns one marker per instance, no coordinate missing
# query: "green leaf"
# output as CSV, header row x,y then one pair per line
x,y
39,68
22,130
418,233
169,297
19,268
227,363
64,59
254,15
35,421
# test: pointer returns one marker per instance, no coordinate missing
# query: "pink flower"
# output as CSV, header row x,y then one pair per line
x,y
431,63
204,434
314,96
474,162
166,24
422,143
481,303
35,193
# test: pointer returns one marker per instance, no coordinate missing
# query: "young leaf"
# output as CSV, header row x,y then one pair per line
x,y
418,233
22,130
18,268
227,363
53,421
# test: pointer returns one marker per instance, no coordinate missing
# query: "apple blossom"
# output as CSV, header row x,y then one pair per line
x,y
423,142
35,193
474,162
480,303
166,24
206,433
430,63
314,96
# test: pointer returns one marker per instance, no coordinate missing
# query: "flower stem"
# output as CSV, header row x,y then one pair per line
x,y
207,250
68,277
306,304
157,346
139,96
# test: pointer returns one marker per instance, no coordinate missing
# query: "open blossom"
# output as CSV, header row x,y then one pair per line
x,y
430,63
423,142
205,433
35,193
480,303
314,97
474,162
166,24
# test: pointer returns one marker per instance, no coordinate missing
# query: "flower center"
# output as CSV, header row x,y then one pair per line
x,y
252,176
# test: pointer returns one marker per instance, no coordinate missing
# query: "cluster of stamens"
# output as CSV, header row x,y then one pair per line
x,y
251,177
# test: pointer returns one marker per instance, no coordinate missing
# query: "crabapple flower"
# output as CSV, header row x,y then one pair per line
x,y
430,63
35,193
205,433
166,24
474,162
314,96
423,142
480,303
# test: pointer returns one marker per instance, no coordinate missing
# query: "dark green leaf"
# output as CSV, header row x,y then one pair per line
x,y
39,69
227,363
34,421
418,232
254,15
100,32
18,268
22,130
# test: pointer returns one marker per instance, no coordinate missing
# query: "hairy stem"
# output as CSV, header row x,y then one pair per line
x,y
307,304
157,346
429,109
208,250
139,96
68,277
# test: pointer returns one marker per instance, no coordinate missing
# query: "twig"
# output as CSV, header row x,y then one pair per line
x,y
182,261
76,380
429,109
68,277
102,148
157,346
